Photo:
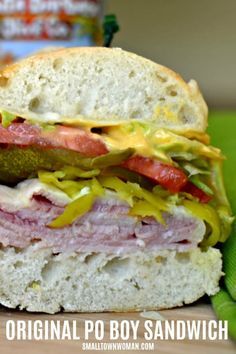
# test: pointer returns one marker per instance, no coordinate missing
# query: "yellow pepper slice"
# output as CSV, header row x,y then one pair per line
x,y
209,215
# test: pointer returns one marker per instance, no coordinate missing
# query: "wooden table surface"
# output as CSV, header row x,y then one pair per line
x,y
198,311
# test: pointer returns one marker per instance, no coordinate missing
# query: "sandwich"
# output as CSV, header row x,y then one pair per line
x,y
111,198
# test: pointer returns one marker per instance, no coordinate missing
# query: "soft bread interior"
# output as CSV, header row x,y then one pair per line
x,y
100,86
37,280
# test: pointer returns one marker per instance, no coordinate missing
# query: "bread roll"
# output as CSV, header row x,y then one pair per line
x,y
103,85
37,280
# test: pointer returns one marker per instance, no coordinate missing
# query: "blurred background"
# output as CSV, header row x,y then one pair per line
x,y
195,38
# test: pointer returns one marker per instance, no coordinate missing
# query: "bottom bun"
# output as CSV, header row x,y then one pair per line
x,y
38,280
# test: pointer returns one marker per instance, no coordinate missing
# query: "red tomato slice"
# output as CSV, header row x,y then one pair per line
x,y
61,137
196,192
168,176
75,139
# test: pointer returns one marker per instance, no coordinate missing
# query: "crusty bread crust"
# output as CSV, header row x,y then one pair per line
x,y
37,280
103,85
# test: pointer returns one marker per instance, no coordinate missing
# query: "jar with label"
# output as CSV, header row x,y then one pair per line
x,y
28,26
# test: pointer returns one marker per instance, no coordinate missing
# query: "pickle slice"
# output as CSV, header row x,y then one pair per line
x,y
19,163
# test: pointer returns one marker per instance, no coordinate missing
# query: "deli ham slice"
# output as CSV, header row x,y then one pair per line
x,y
58,136
107,227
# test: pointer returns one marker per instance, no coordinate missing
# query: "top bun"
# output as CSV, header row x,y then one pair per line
x,y
105,85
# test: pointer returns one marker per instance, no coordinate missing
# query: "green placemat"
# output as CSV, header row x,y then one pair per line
x,y
222,129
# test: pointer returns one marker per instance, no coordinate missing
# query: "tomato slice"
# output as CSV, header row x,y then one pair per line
x,y
59,136
89,144
196,192
168,176
75,139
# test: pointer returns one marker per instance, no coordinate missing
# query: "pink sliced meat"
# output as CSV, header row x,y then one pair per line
x,y
59,136
106,228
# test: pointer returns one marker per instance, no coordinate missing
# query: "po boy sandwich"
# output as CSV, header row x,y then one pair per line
x,y
111,198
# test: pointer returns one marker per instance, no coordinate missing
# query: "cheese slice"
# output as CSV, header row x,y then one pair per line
x,y
13,199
